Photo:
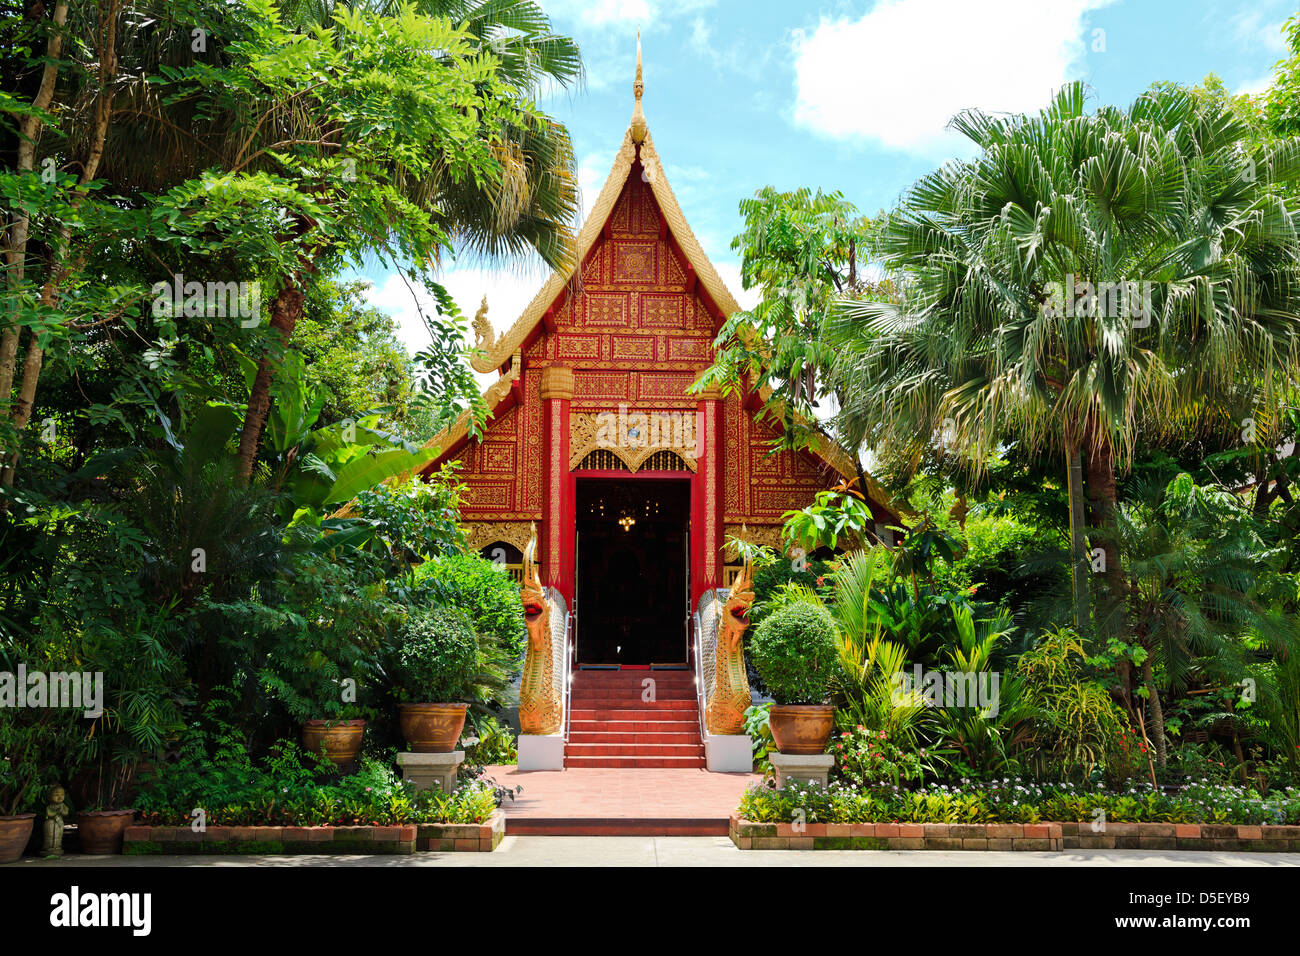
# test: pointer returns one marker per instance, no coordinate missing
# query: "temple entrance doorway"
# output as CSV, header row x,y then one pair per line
x,y
631,593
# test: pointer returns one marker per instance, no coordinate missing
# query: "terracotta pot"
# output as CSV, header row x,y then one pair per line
x,y
14,834
338,740
432,728
101,831
802,728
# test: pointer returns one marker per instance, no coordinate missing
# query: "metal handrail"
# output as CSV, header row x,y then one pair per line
x,y
700,691
568,671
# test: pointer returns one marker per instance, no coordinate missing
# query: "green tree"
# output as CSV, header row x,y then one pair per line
x,y
983,352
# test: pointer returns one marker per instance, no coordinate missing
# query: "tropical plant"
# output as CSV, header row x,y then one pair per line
x,y
1002,336
794,651
437,657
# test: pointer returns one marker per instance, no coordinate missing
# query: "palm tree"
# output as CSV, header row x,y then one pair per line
x,y
986,350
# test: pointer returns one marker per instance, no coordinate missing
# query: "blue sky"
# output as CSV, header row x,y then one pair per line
x,y
849,96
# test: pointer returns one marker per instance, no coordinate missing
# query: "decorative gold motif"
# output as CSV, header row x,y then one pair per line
x,y
768,535
730,697
657,430
540,709
557,382
483,533
485,338
638,128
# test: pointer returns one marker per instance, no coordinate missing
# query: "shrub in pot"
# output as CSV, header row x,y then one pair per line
x,y
320,664
490,599
794,651
434,670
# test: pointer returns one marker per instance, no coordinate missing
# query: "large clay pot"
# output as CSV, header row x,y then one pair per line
x,y
14,834
432,728
100,831
338,740
801,728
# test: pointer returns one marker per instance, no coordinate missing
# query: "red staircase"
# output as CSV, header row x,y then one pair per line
x,y
612,726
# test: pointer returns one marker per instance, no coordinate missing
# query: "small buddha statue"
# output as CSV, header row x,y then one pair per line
x,y
55,813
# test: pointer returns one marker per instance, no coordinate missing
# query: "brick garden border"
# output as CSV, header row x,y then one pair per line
x,y
397,840
748,835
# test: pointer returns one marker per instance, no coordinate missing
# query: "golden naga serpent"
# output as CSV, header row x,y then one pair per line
x,y
540,708
730,698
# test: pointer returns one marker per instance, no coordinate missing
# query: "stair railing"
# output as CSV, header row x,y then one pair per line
x,y
701,693
568,672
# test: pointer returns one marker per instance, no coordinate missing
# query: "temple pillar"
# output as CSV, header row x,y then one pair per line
x,y
557,498
706,497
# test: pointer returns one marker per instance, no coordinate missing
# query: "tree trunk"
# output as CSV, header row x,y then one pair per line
x,y
286,309
1155,713
21,412
1110,616
15,250
1078,551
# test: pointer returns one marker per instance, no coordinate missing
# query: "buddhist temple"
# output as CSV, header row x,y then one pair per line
x,y
633,483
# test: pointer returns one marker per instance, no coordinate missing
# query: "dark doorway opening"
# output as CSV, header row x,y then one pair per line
x,y
632,570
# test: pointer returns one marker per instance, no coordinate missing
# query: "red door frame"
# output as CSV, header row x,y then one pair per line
x,y
697,557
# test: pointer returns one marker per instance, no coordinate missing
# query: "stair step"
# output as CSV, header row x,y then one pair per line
x,y
635,750
624,762
624,737
653,726
642,714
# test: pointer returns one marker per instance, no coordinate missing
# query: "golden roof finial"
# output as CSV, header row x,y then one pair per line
x,y
638,87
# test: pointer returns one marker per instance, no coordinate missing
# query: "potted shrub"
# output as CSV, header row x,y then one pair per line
x,y
794,651
434,671
322,670
38,746
101,826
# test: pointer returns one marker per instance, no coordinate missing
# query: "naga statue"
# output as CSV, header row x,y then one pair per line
x,y
483,334
730,697
540,708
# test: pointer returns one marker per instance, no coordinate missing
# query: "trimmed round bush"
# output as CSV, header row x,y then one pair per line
x,y
794,651
437,659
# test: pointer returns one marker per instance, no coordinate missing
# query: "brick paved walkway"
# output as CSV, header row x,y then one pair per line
x,y
630,801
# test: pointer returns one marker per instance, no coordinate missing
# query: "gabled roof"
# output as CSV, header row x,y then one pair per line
x,y
503,353
638,144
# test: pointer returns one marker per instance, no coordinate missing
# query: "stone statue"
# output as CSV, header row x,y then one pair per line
x,y
540,708
730,698
55,813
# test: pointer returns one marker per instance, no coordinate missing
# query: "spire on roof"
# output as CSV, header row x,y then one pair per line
x,y
638,126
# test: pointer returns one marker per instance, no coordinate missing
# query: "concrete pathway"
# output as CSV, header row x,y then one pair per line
x,y
693,851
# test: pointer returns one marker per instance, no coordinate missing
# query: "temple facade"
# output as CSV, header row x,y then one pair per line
x,y
633,483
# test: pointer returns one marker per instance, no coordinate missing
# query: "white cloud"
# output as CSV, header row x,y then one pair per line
x,y
1253,30
898,74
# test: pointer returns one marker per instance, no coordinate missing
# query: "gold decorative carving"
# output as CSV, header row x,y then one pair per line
x,y
485,338
730,697
674,431
637,127
483,533
557,382
766,535
540,709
